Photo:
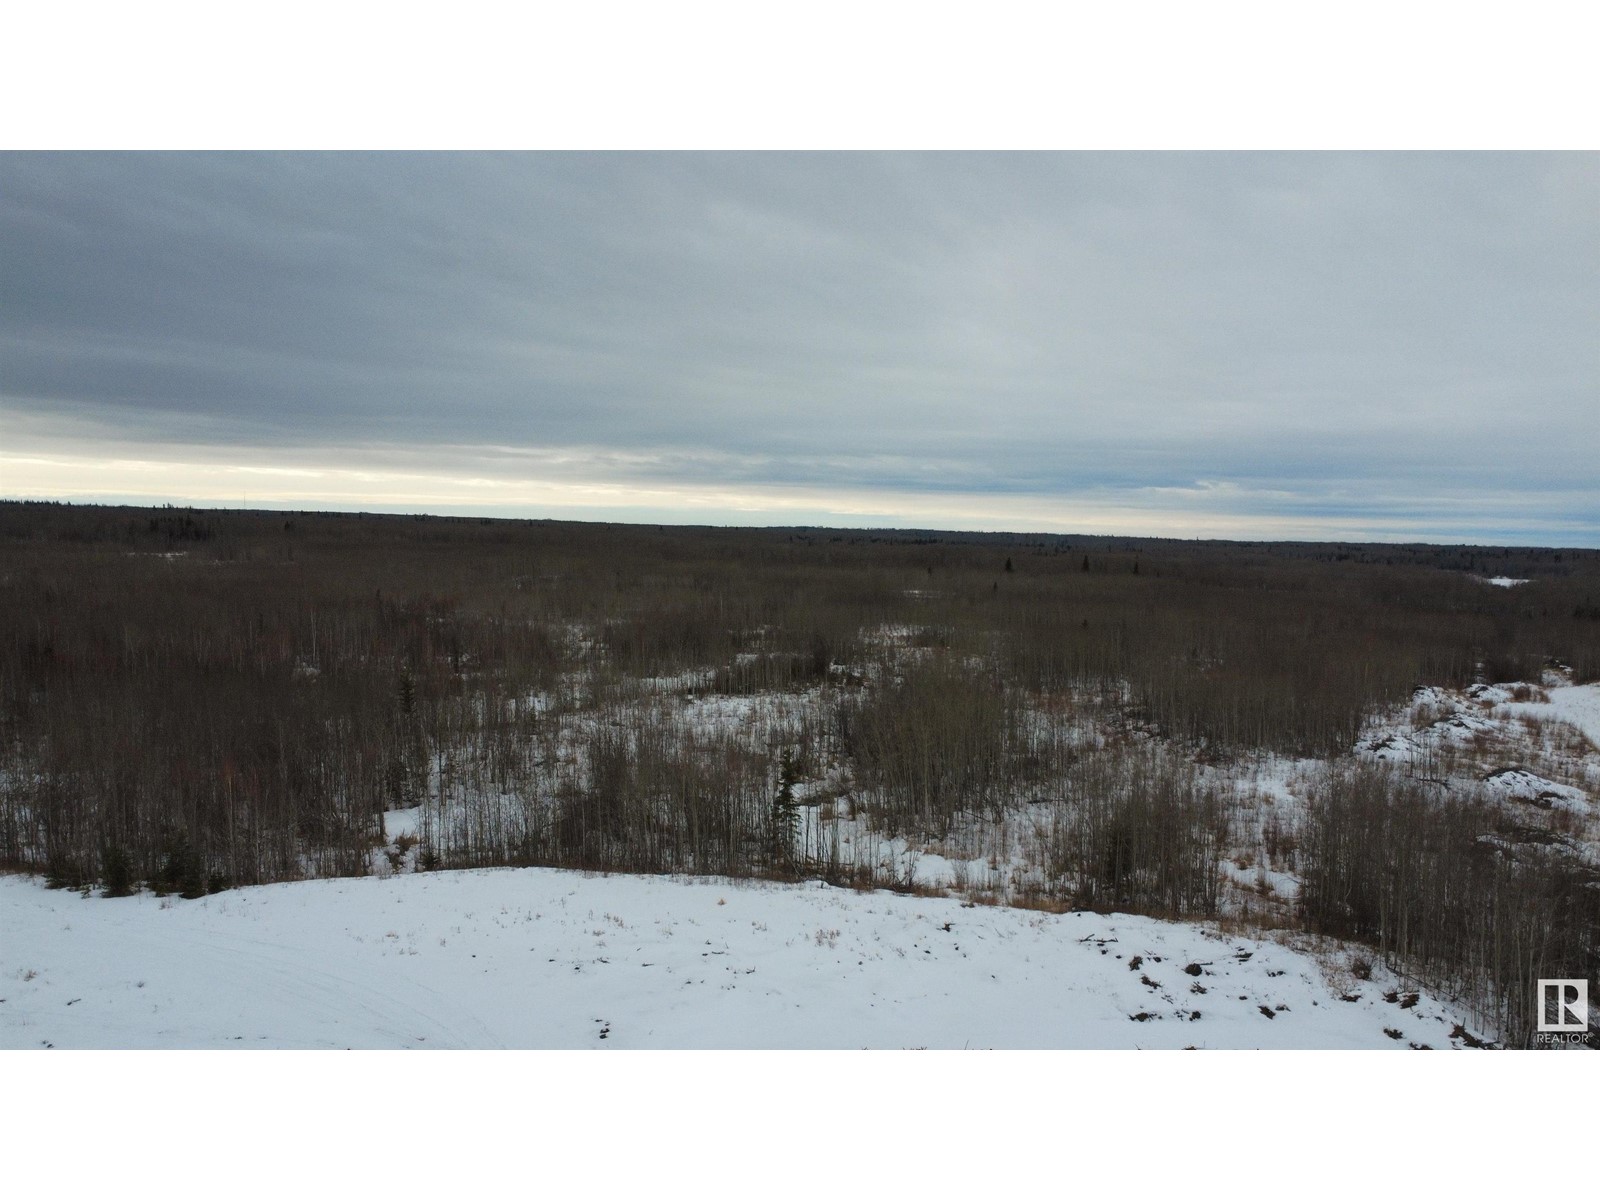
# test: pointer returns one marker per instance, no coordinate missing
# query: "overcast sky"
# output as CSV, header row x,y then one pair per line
x,y
1377,346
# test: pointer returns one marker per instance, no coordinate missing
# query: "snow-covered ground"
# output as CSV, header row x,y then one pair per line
x,y
1486,729
1579,707
539,958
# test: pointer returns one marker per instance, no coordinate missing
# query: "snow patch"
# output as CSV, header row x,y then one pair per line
x,y
1514,783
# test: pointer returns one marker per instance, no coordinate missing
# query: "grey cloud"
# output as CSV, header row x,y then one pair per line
x,y
1413,327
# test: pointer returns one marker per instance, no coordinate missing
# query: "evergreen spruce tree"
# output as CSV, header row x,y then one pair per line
x,y
406,694
182,868
117,871
192,881
785,813
61,870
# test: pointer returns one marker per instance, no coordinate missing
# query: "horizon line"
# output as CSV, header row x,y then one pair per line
x,y
484,518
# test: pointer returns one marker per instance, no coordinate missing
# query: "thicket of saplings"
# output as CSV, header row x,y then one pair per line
x,y
1450,890
194,699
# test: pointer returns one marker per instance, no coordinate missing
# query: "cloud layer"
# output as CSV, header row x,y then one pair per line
x,y
1342,345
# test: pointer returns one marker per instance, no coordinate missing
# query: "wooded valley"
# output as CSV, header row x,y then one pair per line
x,y
195,700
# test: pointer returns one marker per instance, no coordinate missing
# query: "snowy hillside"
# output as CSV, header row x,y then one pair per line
x,y
552,959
